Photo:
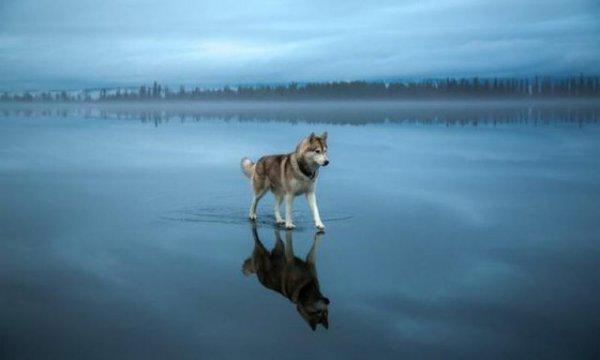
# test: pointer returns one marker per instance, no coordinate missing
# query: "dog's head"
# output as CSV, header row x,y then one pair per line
x,y
314,149
312,306
315,313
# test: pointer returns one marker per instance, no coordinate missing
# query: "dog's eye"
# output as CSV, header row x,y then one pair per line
x,y
318,151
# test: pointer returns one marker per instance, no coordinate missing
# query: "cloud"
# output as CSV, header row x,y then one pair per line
x,y
81,43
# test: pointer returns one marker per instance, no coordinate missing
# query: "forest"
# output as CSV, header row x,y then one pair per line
x,y
528,87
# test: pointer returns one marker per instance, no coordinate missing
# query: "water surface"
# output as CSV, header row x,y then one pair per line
x,y
450,233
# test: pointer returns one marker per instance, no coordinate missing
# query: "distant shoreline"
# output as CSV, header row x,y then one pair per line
x,y
578,111
345,103
487,100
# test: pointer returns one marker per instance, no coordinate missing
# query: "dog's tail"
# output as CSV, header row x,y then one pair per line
x,y
247,167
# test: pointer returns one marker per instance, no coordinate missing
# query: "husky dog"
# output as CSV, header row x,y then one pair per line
x,y
287,176
280,271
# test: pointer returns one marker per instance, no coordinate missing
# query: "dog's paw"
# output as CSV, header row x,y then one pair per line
x,y
289,226
320,226
252,217
280,222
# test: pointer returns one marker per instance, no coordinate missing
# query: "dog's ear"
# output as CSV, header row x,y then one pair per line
x,y
303,143
325,322
324,135
311,136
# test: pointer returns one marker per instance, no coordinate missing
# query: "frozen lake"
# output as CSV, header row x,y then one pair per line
x,y
453,230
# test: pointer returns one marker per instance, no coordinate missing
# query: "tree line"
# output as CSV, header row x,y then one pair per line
x,y
475,87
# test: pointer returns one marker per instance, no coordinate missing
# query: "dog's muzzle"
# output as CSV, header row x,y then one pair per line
x,y
326,162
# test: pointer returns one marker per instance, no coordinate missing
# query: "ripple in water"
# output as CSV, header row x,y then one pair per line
x,y
239,216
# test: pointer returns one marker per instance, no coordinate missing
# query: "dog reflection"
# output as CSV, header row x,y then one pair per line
x,y
296,279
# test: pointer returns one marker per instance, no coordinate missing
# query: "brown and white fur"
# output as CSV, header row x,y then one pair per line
x,y
287,176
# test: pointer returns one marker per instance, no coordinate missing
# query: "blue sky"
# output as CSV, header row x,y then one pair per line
x,y
81,43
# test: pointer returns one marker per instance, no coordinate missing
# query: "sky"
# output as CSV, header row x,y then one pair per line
x,y
68,44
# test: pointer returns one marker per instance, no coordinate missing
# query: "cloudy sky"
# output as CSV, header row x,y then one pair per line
x,y
88,43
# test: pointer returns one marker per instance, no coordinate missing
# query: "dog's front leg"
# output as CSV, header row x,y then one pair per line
x,y
289,200
278,200
289,248
311,198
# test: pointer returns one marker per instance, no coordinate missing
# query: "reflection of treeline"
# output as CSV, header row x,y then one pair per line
x,y
536,87
456,115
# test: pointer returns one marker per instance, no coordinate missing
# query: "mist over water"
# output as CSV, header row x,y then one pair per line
x,y
454,229
449,112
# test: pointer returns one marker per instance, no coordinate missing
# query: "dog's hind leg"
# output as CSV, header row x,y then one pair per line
x,y
278,200
279,248
249,267
259,192
254,204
